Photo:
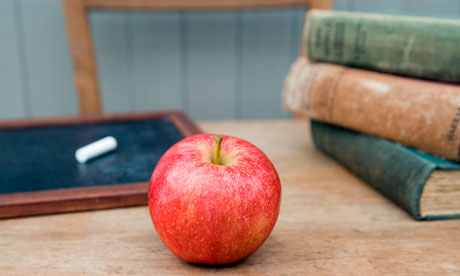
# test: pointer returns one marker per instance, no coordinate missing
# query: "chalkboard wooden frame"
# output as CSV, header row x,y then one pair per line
x,y
85,198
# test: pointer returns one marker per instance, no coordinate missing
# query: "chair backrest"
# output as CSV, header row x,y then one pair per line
x,y
81,45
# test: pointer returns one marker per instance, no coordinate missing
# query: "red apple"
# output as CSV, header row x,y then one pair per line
x,y
214,199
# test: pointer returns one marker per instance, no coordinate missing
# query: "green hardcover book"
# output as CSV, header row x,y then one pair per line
x,y
406,45
427,187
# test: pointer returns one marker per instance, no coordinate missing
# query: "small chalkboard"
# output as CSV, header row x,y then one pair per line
x,y
40,175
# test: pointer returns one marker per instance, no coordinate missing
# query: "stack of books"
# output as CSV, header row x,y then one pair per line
x,y
383,97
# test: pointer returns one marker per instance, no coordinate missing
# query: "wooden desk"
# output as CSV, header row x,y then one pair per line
x,y
330,223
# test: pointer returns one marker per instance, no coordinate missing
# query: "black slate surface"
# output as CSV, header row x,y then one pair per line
x,y
43,158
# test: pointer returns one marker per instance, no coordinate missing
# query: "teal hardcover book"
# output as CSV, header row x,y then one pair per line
x,y
407,45
426,186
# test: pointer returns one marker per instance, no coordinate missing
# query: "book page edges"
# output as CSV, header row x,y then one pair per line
x,y
441,195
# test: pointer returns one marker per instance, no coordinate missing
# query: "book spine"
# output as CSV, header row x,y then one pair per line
x,y
388,167
413,46
421,114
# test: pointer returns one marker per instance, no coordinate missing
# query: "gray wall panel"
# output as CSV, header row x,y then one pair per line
x,y
387,6
49,70
265,60
157,60
296,28
211,65
12,100
112,38
438,8
217,65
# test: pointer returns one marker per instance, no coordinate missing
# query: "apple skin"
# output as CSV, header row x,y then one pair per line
x,y
214,214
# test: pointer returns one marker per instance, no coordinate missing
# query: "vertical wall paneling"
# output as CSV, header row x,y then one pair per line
x,y
438,8
351,5
11,88
340,5
157,60
112,39
214,65
184,61
264,62
296,28
388,6
130,62
49,71
211,65
238,65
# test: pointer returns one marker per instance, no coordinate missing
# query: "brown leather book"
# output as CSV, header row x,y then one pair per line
x,y
418,113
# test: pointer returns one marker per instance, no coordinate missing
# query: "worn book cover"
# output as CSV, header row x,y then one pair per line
x,y
426,186
407,45
418,113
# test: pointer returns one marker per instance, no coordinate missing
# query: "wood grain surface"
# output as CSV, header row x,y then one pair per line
x,y
330,223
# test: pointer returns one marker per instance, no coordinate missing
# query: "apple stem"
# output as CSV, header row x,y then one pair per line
x,y
216,153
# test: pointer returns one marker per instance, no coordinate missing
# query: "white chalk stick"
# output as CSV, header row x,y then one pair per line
x,y
95,149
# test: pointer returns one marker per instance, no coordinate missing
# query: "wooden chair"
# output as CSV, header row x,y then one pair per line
x,y
81,44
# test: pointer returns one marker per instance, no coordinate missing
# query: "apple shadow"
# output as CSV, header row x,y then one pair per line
x,y
218,266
